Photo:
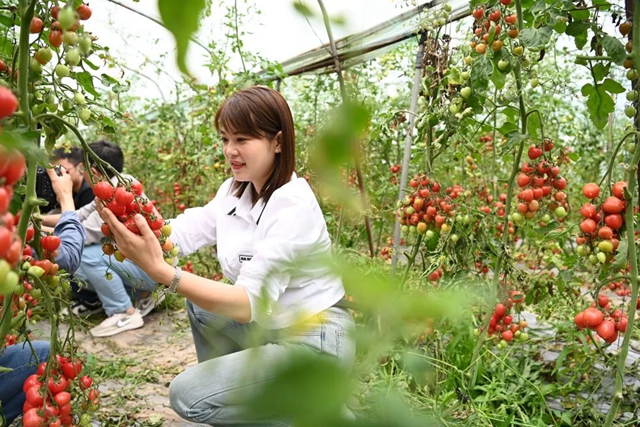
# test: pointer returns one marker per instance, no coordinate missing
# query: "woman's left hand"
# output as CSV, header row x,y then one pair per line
x,y
143,250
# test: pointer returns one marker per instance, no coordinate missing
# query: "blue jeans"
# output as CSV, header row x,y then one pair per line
x,y
127,279
20,358
233,368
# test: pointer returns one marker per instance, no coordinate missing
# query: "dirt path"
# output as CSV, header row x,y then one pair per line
x,y
139,366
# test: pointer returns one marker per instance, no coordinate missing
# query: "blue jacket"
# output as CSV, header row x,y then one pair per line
x,y
72,236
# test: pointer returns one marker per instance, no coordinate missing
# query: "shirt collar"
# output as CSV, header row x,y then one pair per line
x,y
244,206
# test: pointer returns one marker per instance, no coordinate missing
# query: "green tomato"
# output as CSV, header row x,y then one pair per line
x,y
53,281
5,267
466,219
518,50
85,114
453,108
62,71
79,98
632,95
632,74
73,57
560,212
593,259
36,293
410,210
9,283
66,18
35,271
523,336
35,66
429,234
45,54
465,92
534,82
174,251
454,238
630,111
602,257
405,229
546,218
69,38
446,7
606,246
502,65
85,44
465,75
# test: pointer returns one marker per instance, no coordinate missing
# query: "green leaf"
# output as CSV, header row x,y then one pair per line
x,y
580,14
507,128
587,89
621,256
615,49
497,77
533,38
533,125
91,65
182,19
612,86
600,105
107,80
6,46
579,31
6,20
514,138
481,72
120,88
303,9
600,71
86,81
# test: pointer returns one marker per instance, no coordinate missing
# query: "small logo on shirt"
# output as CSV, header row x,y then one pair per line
x,y
244,258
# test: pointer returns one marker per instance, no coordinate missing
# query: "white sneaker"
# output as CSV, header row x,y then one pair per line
x,y
117,323
148,303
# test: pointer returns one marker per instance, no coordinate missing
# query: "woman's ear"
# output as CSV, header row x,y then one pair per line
x,y
278,139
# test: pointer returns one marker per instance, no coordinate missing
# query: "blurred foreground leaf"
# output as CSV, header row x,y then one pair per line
x,y
182,19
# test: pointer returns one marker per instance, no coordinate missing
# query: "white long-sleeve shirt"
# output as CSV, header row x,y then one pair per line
x,y
279,252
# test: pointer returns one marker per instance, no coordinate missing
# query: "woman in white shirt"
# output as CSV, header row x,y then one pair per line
x,y
272,243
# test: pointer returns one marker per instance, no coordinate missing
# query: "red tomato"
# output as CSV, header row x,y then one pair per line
x,y
613,205
62,398
606,329
116,208
123,197
50,243
591,190
30,382
603,300
84,12
34,396
614,221
14,161
588,226
105,229
32,419
57,385
605,233
136,188
36,25
72,369
592,317
8,104
500,310
85,382
621,325
103,190
618,189
579,320
588,210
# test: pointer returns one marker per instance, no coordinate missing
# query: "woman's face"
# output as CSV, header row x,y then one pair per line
x,y
251,158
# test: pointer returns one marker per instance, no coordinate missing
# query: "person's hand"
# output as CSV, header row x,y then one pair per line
x,y
143,250
63,187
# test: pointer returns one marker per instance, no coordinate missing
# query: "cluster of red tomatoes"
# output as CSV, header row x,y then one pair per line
x,y
12,167
126,201
424,210
488,28
602,319
602,222
538,179
51,397
502,325
177,192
